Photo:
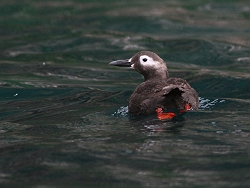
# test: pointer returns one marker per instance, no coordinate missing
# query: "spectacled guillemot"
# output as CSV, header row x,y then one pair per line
x,y
158,92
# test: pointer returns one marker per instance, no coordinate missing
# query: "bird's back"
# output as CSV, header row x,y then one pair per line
x,y
172,93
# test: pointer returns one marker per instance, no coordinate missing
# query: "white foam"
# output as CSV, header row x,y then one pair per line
x,y
207,103
121,112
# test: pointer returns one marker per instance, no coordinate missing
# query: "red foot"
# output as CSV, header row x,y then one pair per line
x,y
164,115
186,108
169,115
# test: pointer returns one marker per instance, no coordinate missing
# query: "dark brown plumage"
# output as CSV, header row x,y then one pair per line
x,y
157,90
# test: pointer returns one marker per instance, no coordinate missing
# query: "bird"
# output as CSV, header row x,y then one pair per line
x,y
158,93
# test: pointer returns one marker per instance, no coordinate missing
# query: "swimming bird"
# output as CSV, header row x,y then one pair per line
x,y
158,92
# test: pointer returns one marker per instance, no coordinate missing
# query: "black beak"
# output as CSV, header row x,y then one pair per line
x,y
121,63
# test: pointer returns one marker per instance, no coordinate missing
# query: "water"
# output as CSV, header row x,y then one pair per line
x,y
63,110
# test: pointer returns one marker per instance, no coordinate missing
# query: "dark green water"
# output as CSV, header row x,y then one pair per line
x,y
63,110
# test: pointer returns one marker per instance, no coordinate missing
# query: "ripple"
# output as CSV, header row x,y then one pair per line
x,y
204,104
121,112
208,103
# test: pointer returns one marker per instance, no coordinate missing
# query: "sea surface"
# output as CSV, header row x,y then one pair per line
x,y
64,118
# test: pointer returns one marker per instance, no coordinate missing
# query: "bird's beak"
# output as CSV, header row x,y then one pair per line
x,y
121,63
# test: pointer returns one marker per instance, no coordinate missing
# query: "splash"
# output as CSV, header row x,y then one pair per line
x,y
208,103
121,112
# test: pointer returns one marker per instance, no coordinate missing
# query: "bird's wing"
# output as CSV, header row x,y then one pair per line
x,y
189,95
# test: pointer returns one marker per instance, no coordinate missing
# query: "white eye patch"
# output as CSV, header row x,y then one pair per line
x,y
148,61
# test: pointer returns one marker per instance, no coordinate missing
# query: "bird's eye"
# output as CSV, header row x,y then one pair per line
x,y
144,59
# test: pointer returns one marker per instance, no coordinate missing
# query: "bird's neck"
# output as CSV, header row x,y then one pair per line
x,y
156,76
